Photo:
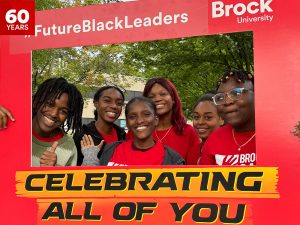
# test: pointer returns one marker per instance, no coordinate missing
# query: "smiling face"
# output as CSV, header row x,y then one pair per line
x,y
51,116
206,119
109,105
238,113
141,120
162,99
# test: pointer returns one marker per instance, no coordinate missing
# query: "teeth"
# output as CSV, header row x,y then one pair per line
x,y
49,121
141,128
201,130
159,106
111,113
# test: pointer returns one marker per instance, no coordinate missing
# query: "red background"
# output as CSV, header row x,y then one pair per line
x,y
277,92
18,5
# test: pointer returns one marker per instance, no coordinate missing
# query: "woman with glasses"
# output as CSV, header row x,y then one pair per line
x,y
206,118
234,143
108,101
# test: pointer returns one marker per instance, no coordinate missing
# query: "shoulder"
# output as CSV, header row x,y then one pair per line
x,y
67,138
189,129
111,147
67,142
190,132
113,144
108,152
89,127
120,130
221,132
172,157
218,135
86,129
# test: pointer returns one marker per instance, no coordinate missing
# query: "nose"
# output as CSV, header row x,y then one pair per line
x,y
114,105
53,112
198,121
156,98
140,119
228,101
201,120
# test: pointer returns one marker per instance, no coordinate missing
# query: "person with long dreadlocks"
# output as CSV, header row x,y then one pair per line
x,y
56,109
234,143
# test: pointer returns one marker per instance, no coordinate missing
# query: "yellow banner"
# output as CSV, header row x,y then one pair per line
x,y
216,182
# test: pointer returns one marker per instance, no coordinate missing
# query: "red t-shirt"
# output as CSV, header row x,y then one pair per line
x,y
109,138
125,155
187,145
221,149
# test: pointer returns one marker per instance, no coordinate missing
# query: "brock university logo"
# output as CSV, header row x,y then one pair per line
x,y
246,12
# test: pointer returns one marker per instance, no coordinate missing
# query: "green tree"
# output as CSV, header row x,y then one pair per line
x,y
192,64
54,4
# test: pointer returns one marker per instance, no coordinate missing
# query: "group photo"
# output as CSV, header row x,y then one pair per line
x,y
185,101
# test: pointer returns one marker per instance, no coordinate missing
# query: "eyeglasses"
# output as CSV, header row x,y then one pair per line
x,y
234,94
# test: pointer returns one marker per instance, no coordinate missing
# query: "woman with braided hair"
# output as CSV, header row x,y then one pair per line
x,y
234,143
56,108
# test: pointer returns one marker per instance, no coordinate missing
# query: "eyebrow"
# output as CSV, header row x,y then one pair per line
x,y
204,113
106,96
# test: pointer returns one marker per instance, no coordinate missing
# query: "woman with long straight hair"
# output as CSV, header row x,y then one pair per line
x,y
172,129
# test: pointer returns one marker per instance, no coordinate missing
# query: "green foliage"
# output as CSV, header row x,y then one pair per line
x,y
296,130
192,64
48,4
54,4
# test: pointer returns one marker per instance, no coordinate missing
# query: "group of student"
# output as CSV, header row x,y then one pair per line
x,y
223,131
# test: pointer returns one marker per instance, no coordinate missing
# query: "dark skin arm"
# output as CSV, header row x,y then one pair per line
x,y
5,114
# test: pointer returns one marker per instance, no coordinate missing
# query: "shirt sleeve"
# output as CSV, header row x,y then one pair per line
x,y
90,156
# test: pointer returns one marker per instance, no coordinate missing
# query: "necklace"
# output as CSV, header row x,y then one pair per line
x,y
161,139
242,145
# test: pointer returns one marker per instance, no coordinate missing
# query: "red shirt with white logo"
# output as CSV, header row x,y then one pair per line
x,y
187,145
221,149
126,154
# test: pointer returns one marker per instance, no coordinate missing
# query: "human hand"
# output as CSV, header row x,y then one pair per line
x,y
90,151
4,114
87,142
49,157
